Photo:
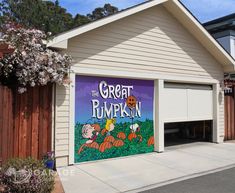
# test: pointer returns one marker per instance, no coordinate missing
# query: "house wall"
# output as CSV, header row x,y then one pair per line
x,y
226,43
232,46
151,44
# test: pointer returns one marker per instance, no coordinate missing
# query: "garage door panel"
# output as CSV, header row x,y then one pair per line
x,y
175,105
200,104
186,102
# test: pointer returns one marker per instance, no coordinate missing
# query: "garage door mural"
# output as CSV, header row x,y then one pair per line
x,y
113,117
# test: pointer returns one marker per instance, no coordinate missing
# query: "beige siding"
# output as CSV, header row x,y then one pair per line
x,y
62,121
152,41
149,41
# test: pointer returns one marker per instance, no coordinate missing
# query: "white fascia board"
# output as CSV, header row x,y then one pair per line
x,y
83,29
61,45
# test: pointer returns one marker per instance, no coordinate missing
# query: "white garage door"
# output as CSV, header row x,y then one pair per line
x,y
187,102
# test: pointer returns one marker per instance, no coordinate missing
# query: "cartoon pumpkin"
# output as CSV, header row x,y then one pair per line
x,y
118,143
151,141
93,145
105,145
131,101
132,136
121,135
109,139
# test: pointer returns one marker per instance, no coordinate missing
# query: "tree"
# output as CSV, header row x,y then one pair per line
x,y
48,16
102,12
79,20
44,15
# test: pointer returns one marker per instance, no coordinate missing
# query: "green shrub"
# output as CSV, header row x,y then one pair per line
x,y
27,176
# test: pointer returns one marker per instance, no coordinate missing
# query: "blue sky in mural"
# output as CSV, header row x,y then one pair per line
x,y
142,90
204,10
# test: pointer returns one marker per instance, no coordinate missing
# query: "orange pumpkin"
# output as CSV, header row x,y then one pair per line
x,y
93,145
104,131
121,135
105,145
151,141
131,101
118,143
132,136
109,139
96,127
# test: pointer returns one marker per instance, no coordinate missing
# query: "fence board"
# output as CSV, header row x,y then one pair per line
x,y
229,115
35,123
25,122
1,128
5,125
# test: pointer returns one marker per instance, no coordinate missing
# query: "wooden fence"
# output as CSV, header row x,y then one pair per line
x,y
25,122
229,105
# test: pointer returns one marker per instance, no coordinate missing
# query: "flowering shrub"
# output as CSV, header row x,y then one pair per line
x,y
26,175
31,62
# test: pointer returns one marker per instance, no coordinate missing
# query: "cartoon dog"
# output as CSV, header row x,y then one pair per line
x,y
135,128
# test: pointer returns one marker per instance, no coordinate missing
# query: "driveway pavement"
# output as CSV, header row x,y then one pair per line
x,y
148,171
219,182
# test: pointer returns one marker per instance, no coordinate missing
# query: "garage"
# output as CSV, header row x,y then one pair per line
x,y
188,113
142,79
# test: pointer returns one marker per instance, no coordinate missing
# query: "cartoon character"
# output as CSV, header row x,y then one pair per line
x,y
109,126
89,132
131,102
135,128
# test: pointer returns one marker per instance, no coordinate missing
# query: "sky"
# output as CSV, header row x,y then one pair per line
x,y
204,10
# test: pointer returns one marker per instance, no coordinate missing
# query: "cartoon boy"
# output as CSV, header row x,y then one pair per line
x,y
109,126
90,133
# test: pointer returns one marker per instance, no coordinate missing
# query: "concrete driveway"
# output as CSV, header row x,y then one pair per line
x,y
143,172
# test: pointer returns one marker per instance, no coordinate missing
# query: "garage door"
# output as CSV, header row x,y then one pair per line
x,y
187,102
113,117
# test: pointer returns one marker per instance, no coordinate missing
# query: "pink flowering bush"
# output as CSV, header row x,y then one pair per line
x,y
31,63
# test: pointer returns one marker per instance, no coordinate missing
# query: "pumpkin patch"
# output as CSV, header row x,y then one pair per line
x,y
121,142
